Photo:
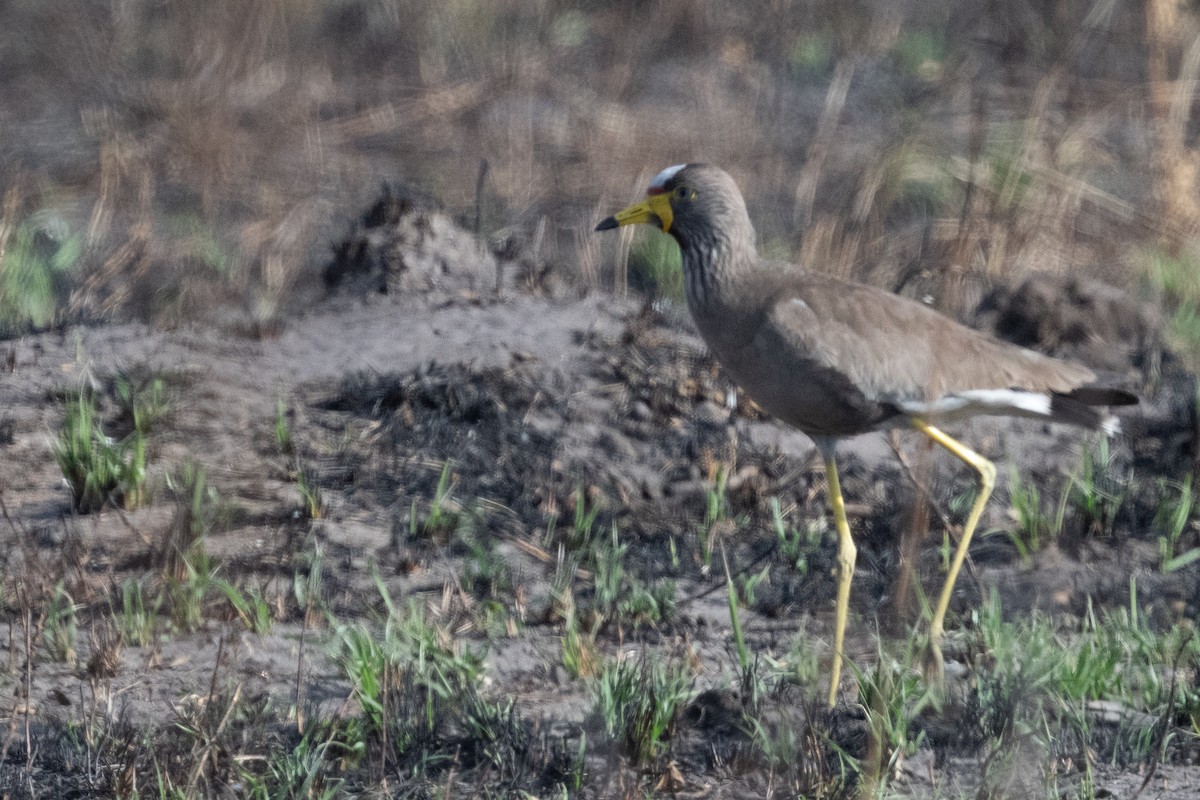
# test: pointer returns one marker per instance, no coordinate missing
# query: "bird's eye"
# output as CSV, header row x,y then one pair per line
x,y
682,193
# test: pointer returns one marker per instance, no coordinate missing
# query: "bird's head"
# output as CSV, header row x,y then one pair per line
x,y
692,202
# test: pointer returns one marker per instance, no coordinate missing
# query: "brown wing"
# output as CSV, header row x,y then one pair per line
x,y
894,349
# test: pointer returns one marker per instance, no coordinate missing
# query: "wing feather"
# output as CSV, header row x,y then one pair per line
x,y
893,349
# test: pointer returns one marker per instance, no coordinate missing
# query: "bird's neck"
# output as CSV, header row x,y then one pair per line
x,y
711,262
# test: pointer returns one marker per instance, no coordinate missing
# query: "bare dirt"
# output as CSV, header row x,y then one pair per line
x,y
440,353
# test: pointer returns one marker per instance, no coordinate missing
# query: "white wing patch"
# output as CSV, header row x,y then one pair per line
x,y
981,402
660,180
992,402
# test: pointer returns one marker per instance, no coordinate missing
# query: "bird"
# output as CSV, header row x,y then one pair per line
x,y
835,358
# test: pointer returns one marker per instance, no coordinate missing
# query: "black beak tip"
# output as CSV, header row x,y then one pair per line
x,y
607,224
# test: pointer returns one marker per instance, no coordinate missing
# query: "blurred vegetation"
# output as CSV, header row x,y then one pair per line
x,y
201,159
656,266
1176,278
35,266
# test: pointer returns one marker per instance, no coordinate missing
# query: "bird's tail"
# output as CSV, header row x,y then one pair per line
x,y
1084,407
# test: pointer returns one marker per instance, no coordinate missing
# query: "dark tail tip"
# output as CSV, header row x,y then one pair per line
x,y
1071,410
607,224
1103,396
1083,407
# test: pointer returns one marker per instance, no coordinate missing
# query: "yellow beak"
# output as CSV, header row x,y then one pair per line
x,y
655,208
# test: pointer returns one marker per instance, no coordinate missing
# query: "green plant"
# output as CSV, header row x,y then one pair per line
x,y
61,629
144,401
794,743
495,729
1141,652
408,650
443,515
1029,648
893,695
656,266
190,574
735,621
1041,681
617,594
716,509
802,666
577,769
187,590
166,788
583,521
748,584
137,620
1176,277
308,583
283,432
313,504
97,469
608,566
192,581
134,479
298,774
639,702
1176,509
1014,700
578,645
647,605
777,744
198,512
574,550
752,682
797,545
1033,526
252,606
368,666
35,264
1098,491
485,572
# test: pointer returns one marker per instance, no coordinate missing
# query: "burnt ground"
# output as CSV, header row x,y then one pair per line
x,y
427,352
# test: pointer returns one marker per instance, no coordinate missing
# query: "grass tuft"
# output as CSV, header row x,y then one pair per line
x,y
1175,518
639,702
656,267
36,262
98,470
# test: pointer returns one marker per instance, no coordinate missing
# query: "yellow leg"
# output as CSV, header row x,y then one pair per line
x,y
987,481
846,556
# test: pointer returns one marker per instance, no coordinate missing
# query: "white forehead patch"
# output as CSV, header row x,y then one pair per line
x,y
660,180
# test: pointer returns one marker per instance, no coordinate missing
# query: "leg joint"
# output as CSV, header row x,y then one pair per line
x,y
847,551
987,474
